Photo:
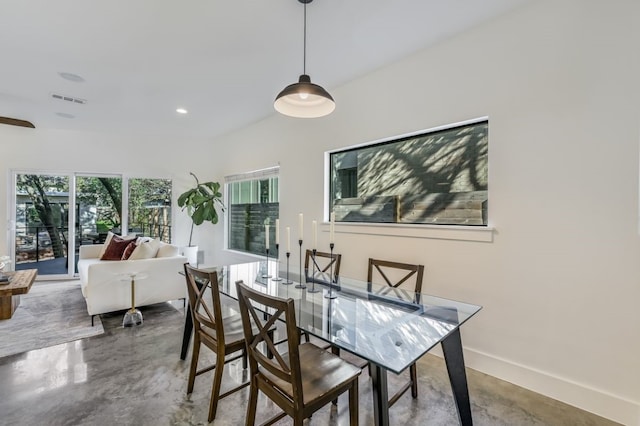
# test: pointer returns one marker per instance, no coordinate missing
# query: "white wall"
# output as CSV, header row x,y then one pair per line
x,y
561,280
560,283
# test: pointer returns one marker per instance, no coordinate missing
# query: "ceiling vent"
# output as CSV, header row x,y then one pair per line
x,y
68,99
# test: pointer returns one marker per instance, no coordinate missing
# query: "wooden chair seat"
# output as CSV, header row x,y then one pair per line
x,y
321,371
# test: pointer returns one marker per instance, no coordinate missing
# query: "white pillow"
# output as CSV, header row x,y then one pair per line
x,y
146,250
168,250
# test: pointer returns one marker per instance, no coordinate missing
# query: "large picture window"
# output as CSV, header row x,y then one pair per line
x,y
435,177
253,201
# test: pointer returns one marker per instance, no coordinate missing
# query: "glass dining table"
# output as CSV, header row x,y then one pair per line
x,y
389,327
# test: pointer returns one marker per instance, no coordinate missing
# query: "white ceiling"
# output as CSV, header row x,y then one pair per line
x,y
223,60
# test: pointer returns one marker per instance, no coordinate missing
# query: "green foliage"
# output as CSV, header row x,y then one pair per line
x,y
200,203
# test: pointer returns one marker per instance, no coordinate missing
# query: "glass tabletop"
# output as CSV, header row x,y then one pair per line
x,y
387,326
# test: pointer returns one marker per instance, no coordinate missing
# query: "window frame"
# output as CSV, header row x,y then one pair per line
x,y
256,175
480,233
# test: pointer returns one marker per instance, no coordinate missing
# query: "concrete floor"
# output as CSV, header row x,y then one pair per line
x,y
135,377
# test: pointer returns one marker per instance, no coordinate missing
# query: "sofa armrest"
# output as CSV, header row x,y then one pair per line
x,y
91,251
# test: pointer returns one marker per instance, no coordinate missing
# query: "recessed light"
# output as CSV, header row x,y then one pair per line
x,y
65,115
71,77
181,111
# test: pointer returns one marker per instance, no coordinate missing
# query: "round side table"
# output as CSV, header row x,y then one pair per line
x,y
133,316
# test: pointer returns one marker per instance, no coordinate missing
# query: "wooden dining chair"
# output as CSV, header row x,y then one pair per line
x,y
300,378
222,334
395,274
325,264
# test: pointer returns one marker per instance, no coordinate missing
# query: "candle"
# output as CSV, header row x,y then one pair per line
x,y
266,236
332,227
277,231
288,239
300,226
314,231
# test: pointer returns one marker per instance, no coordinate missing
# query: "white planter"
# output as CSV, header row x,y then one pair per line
x,y
191,253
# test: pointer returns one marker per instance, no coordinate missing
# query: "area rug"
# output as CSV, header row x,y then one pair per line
x,y
50,314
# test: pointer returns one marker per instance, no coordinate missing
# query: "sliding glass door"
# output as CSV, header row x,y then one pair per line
x,y
48,232
42,223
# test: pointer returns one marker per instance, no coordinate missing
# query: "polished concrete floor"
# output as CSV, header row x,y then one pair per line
x,y
135,377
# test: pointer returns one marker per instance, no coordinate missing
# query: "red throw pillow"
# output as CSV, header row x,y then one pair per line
x,y
128,250
116,247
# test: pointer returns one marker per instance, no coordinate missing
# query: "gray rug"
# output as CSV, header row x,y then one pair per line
x,y
50,314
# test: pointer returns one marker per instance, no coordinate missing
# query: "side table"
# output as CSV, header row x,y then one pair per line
x,y
133,316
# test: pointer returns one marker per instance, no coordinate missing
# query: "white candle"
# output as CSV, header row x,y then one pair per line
x,y
314,232
300,226
277,231
288,239
266,236
332,227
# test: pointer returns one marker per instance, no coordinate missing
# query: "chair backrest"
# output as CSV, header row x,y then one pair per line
x,y
204,301
285,364
325,265
407,271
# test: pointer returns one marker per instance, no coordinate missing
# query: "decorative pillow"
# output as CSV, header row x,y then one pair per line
x,y
106,244
168,250
129,250
115,248
146,250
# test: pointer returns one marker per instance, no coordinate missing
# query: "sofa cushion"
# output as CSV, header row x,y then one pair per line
x,y
115,248
146,250
168,250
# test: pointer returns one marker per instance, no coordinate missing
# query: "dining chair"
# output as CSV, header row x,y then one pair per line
x,y
222,334
395,274
301,378
323,263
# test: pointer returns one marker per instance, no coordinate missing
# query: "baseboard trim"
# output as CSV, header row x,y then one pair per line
x,y
604,404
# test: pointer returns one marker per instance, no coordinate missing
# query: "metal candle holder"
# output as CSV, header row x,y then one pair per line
x,y
277,278
287,281
331,294
313,288
266,275
300,284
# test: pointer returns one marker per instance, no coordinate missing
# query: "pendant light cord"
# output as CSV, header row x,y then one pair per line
x,y
304,49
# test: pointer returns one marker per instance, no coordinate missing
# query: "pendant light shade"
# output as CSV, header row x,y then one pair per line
x,y
304,99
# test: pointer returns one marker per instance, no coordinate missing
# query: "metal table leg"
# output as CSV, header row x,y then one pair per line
x,y
453,357
380,395
186,336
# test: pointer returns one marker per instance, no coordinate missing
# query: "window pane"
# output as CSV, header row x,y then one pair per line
x,y
150,208
252,204
42,218
437,178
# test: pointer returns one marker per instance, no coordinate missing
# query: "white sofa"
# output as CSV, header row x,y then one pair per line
x,y
105,290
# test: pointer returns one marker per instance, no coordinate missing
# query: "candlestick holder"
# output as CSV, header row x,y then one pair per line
x,y
300,284
287,281
267,275
277,278
313,288
331,294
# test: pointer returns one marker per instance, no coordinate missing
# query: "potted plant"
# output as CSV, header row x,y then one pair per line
x,y
200,203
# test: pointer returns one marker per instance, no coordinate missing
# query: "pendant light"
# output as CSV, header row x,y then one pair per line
x,y
304,99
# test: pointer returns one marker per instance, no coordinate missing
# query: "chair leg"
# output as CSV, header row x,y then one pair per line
x,y
244,359
413,373
194,363
353,403
217,383
253,402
